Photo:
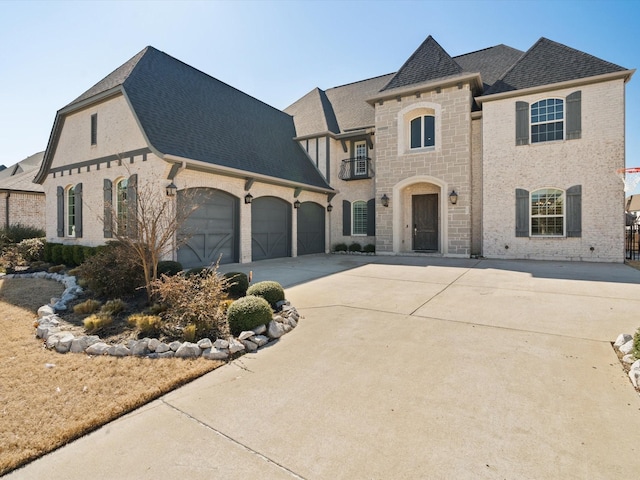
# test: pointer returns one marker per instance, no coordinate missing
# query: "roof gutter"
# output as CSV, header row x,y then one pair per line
x,y
625,74
369,129
199,165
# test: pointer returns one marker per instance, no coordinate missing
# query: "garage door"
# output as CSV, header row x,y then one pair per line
x,y
310,228
270,228
211,230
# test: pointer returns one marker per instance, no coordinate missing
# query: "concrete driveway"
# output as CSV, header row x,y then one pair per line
x,y
402,368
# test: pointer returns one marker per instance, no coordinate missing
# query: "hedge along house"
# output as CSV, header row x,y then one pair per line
x,y
157,122
498,152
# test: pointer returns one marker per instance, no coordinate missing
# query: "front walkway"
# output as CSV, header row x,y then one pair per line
x,y
403,367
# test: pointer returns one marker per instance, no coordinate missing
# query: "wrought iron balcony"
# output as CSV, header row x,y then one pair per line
x,y
356,169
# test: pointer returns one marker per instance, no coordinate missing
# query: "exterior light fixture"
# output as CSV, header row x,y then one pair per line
x,y
453,197
296,204
385,200
171,190
248,198
329,207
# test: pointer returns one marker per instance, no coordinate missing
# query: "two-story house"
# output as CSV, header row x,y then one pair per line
x,y
498,152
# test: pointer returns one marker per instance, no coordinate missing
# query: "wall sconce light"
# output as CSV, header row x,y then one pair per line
x,y
296,204
453,197
329,207
248,198
171,190
385,200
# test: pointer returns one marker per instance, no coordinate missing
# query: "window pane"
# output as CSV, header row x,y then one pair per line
x,y
415,132
359,218
71,212
547,212
429,131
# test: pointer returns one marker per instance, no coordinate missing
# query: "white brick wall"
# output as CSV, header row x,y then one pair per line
x,y
590,161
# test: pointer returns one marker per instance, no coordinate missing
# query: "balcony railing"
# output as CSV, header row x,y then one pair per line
x,y
356,169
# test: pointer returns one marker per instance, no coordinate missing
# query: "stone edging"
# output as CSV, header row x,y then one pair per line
x,y
624,344
49,329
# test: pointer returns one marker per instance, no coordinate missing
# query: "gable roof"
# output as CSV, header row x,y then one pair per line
x,y
186,113
20,176
548,62
337,110
429,62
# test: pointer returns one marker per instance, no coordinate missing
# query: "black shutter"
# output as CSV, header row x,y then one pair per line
x,y
574,115
522,213
522,123
108,209
346,218
60,193
78,207
574,211
132,206
371,217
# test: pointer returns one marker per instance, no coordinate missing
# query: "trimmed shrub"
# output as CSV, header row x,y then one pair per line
x,y
56,254
112,272
88,252
17,232
237,285
355,247
67,255
47,251
369,248
271,291
77,254
636,344
145,323
113,307
88,306
169,268
340,247
247,313
97,321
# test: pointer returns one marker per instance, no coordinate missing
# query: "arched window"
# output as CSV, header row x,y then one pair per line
x,y
423,131
547,212
121,205
547,120
359,218
71,211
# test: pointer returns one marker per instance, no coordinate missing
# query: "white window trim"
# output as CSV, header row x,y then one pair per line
x,y
121,228
356,170
404,127
353,218
564,213
564,122
68,224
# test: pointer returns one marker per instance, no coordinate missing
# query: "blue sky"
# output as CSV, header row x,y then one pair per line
x,y
276,51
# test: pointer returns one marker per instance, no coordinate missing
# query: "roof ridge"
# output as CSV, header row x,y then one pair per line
x,y
485,49
360,81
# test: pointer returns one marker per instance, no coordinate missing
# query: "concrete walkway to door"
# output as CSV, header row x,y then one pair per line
x,y
402,368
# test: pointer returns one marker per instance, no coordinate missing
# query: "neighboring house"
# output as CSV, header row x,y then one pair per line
x,y
22,201
498,152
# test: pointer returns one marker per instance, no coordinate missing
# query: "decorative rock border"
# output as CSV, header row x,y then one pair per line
x,y
49,329
624,344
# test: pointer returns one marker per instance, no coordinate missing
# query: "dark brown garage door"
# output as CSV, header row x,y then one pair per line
x,y
211,230
310,228
270,228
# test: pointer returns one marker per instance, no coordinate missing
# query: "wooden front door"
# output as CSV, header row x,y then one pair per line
x,y
425,222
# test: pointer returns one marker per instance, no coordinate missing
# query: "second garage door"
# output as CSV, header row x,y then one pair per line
x,y
310,228
270,228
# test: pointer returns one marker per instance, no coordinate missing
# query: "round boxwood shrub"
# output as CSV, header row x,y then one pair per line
x,y
355,247
169,268
238,284
247,313
369,248
340,247
272,292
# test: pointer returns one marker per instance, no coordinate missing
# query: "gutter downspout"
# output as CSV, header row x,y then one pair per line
x,y
6,209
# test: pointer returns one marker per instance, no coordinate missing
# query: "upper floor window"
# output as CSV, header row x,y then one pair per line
x,y
359,218
94,129
547,212
423,131
547,120
71,212
360,157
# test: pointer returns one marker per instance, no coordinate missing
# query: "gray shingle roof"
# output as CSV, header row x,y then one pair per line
x,y
429,62
548,62
490,62
338,110
20,176
187,113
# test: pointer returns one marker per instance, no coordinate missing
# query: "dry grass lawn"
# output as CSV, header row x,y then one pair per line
x,y
42,407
